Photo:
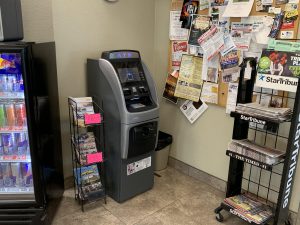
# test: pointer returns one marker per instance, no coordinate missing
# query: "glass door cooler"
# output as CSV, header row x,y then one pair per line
x,y
31,176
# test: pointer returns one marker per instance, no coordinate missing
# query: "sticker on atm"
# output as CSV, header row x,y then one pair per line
x,y
138,165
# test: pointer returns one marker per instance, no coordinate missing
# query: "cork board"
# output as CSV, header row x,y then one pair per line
x,y
223,87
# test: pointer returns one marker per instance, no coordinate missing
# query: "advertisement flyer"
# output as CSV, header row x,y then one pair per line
x,y
209,92
189,8
212,42
176,32
278,70
200,24
189,80
193,110
178,48
231,97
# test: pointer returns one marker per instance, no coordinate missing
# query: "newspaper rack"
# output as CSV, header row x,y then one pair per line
x,y
246,175
83,160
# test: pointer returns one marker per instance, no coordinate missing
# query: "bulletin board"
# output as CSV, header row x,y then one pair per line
x,y
176,5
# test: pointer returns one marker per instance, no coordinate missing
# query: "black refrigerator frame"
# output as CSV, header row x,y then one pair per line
x,y
43,123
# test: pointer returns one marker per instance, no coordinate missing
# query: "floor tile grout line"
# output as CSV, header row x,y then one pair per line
x,y
155,211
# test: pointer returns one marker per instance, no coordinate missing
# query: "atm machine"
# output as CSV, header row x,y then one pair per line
x,y
121,83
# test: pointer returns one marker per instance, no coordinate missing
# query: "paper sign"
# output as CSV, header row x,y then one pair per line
x,y
277,82
92,118
94,158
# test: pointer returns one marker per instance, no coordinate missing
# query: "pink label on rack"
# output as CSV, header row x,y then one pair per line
x,y
92,118
94,158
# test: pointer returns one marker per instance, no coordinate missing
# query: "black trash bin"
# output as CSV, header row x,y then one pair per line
x,y
162,150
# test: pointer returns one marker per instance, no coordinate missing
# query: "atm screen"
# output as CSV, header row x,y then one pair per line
x,y
129,74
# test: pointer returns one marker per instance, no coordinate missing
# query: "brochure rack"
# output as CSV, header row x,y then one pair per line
x,y
93,188
270,184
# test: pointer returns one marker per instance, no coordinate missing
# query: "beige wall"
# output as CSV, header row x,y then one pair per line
x,y
203,144
37,20
84,29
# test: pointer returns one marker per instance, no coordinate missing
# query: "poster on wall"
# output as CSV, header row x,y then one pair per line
x,y
189,7
189,80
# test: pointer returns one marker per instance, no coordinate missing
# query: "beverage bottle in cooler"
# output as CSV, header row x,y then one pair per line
x,y
3,83
20,82
10,81
21,143
20,114
2,116
27,174
8,143
1,176
1,147
15,84
9,178
15,173
10,115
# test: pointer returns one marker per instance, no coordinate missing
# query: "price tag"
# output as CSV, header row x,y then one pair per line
x,y
92,118
94,158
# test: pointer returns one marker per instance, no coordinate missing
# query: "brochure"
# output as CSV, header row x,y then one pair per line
x,y
178,49
200,24
209,92
189,7
189,81
193,110
88,178
176,32
81,106
170,87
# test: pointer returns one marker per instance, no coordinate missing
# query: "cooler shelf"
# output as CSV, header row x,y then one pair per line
x,y
11,95
16,190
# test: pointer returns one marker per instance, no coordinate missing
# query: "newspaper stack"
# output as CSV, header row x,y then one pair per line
x,y
254,151
252,210
85,144
270,113
88,179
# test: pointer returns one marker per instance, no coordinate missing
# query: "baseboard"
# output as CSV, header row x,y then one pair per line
x,y
69,182
212,180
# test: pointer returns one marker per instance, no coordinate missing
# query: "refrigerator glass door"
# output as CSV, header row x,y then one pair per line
x,y
16,181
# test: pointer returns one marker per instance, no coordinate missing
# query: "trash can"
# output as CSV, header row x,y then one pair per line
x,y
162,150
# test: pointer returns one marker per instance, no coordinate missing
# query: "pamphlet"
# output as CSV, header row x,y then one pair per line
x,y
189,8
200,24
189,80
178,48
170,87
81,106
88,179
231,97
238,8
210,69
209,93
176,32
212,42
193,110
241,34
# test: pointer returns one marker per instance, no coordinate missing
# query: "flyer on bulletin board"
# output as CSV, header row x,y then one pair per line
x,y
189,80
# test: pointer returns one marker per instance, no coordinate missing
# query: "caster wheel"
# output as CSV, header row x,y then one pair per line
x,y
219,217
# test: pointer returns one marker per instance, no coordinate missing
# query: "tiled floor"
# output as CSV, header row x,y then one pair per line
x,y
175,199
